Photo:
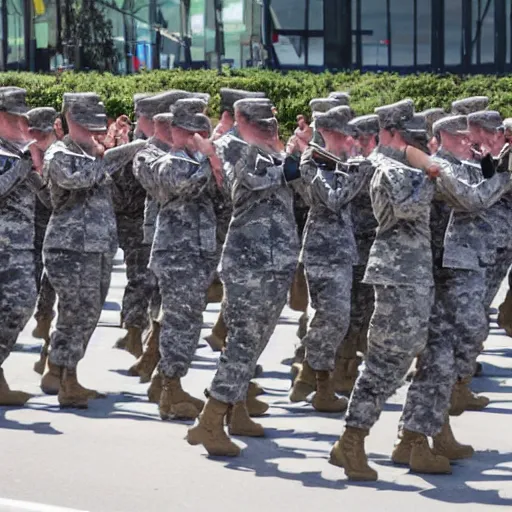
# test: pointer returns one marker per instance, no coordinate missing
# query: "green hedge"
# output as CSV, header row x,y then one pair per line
x,y
290,92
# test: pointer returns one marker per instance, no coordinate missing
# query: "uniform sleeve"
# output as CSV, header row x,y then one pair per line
x,y
10,179
72,172
143,171
37,184
308,167
409,191
336,193
177,177
464,196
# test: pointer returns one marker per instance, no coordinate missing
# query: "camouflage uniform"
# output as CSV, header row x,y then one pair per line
x,y
460,236
18,184
129,199
400,268
79,246
329,252
258,261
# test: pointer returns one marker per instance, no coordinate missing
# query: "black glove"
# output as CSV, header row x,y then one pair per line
x,y
291,168
487,166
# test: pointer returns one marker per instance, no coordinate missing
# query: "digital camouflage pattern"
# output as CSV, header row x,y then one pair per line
x,y
258,261
183,256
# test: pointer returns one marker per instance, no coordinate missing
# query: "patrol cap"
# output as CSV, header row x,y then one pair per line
x,y
454,125
417,125
322,105
467,106
164,118
188,114
41,118
336,119
155,104
507,123
431,116
228,98
488,120
365,125
342,97
258,112
85,109
13,100
395,115
140,96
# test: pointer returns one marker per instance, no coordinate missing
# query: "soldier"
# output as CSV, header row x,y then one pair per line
x,y
257,267
431,116
329,252
228,97
183,255
80,240
18,184
400,268
460,239
146,108
366,129
41,127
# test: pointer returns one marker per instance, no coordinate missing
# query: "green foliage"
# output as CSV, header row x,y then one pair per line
x,y
290,92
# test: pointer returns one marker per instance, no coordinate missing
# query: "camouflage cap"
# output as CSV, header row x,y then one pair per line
x,y
41,119
488,120
158,103
164,118
140,96
336,120
228,98
418,124
342,97
467,106
85,109
188,114
13,100
395,115
455,125
365,125
322,105
431,116
507,123
255,109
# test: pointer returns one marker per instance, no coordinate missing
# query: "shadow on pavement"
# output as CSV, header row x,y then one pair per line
x,y
42,428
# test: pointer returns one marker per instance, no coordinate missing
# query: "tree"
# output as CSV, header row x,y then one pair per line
x,y
90,32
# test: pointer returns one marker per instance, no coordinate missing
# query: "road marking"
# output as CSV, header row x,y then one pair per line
x,y
7,505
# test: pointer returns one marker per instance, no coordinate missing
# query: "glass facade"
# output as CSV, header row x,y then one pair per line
x,y
461,36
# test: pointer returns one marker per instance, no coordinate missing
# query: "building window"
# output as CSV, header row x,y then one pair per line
x,y
482,32
15,35
453,33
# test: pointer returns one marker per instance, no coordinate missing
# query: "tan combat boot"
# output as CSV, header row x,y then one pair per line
x,y
304,384
40,365
215,292
9,397
255,407
217,338
146,364
348,453
71,394
403,448
423,459
345,374
131,342
42,329
175,403
255,389
325,400
240,423
209,431
50,383
445,444
463,399
303,325
155,389
505,314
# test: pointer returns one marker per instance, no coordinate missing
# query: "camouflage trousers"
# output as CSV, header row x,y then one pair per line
x,y
497,273
140,285
46,296
361,311
184,286
253,301
397,334
17,296
457,325
329,290
81,281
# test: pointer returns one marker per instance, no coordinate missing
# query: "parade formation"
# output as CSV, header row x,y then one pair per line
x,y
388,232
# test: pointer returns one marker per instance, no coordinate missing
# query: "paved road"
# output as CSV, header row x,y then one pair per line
x,y
119,457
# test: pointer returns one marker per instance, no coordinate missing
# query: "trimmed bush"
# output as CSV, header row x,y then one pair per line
x,y
290,92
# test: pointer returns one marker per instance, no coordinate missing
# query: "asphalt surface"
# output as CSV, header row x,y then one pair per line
x,y
118,456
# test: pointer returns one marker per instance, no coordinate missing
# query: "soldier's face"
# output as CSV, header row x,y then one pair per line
x,y
146,126
12,126
43,139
